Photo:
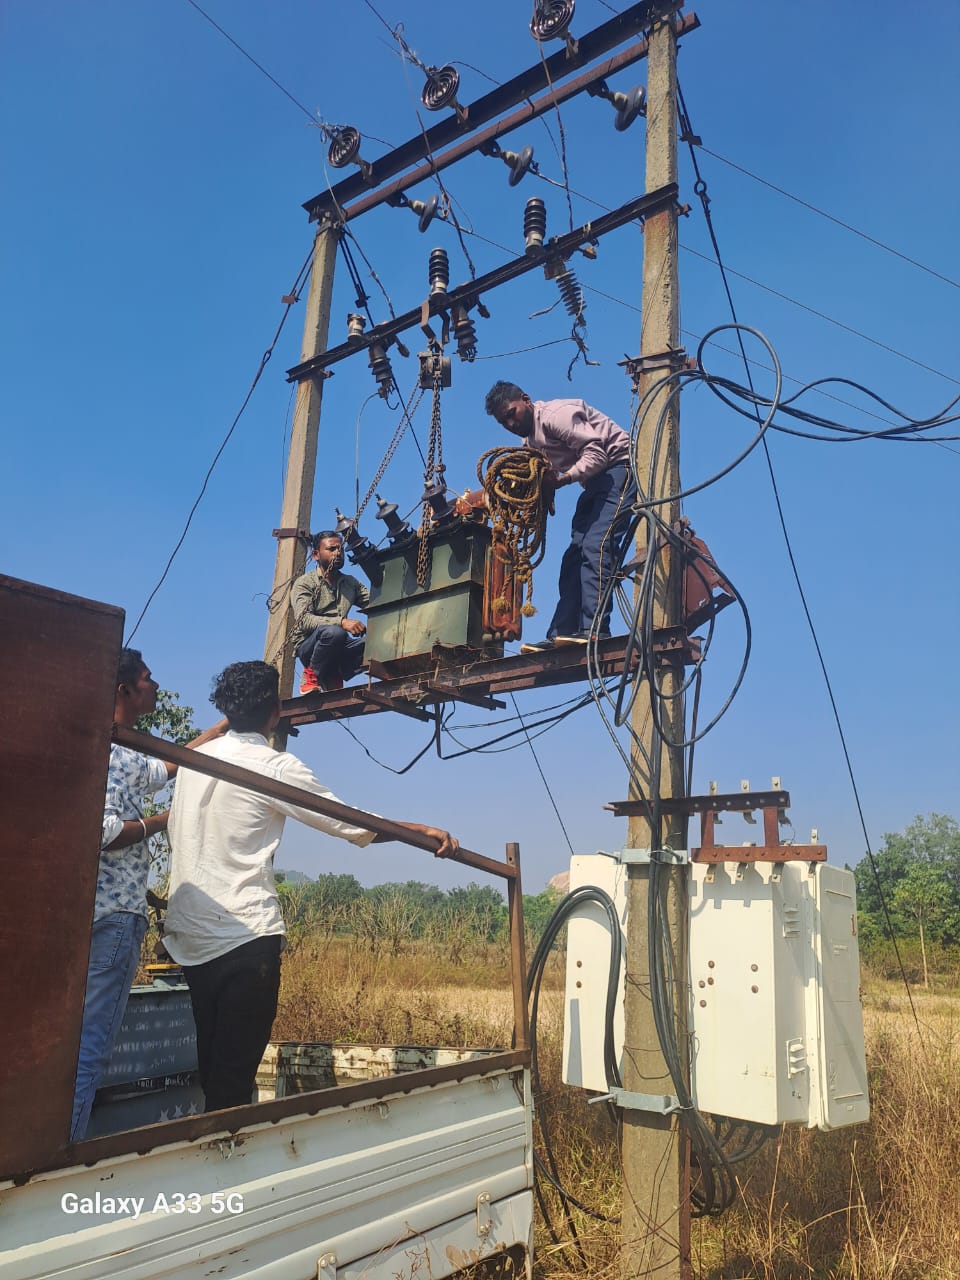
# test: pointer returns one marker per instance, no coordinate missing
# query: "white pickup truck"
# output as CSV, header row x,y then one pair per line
x,y
425,1169
366,1161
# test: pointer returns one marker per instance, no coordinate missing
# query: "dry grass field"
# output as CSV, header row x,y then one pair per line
x,y
874,1202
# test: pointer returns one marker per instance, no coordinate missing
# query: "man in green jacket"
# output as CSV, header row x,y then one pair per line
x,y
327,641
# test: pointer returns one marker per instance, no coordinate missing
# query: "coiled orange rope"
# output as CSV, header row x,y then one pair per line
x,y
519,502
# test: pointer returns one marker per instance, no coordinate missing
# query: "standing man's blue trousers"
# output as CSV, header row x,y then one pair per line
x,y
600,522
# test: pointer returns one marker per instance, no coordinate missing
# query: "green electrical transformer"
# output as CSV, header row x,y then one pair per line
x,y
406,619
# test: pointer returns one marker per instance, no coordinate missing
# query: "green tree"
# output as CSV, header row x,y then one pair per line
x,y
173,722
925,860
537,910
922,899
169,719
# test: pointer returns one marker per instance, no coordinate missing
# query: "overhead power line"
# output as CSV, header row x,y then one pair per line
x,y
822,315
311,115
294,297
701,189
830,217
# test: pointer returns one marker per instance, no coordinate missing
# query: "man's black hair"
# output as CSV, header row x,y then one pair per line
x,y
498,396
129,666
326,533
246,693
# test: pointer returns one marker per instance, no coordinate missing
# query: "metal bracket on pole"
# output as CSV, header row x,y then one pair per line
x,y
673,359
293,533
643,857
661,1104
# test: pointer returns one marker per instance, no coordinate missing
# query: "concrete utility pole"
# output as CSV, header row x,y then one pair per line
x,y
301,461
656,1220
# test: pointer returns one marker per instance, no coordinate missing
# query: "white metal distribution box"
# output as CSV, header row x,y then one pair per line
x,y
776,1019
840,1080
588,967
776,1026
749,945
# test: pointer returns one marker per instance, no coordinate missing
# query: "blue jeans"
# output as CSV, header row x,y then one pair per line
x,y
114,956
600,521
332,652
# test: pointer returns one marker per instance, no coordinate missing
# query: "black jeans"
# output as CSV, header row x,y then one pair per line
x,y
234,1002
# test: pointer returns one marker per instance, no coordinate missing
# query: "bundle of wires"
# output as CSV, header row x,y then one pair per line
x,y
717,1143
546,1166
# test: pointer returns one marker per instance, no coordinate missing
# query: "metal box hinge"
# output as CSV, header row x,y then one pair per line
x,y
484,1215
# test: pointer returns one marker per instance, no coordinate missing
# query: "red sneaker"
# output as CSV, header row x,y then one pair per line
x,y
309,683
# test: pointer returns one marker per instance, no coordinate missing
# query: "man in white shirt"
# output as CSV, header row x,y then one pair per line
x,y
223,923
584,446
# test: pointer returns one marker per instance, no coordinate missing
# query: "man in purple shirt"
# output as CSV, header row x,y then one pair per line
x,y
583,445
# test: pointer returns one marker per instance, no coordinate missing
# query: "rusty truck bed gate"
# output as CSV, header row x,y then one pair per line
x,y
54,749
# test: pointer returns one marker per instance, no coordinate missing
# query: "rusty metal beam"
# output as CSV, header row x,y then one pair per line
x,y
771,803
565,664
760,853
450,693
200,762
529,111
466,295
518,954
727,802
546,72
391,704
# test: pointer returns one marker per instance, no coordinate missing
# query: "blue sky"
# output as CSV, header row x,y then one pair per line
x,y
151,221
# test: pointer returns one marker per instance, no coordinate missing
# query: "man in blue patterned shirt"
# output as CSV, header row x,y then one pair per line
x,y
120,910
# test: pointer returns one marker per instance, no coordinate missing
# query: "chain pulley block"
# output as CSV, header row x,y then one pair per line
x,y
435,505
428,368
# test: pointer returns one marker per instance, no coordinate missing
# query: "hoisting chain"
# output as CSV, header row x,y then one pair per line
x,y
513,479
387,458
434,471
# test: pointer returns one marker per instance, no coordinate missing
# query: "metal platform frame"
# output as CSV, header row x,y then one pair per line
x,y
475,678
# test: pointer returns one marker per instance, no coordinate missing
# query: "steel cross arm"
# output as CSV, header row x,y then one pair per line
x,y
732,802
536,78
529,111
200,762
465,295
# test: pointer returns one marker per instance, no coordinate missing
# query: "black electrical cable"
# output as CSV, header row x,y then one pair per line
x,y
544,725
830,217
294,296
311,116
364,301
508,719
641,664
433,741
543,776
784,297
822,315
715,1189
701,189
697,337
573,902
909,430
